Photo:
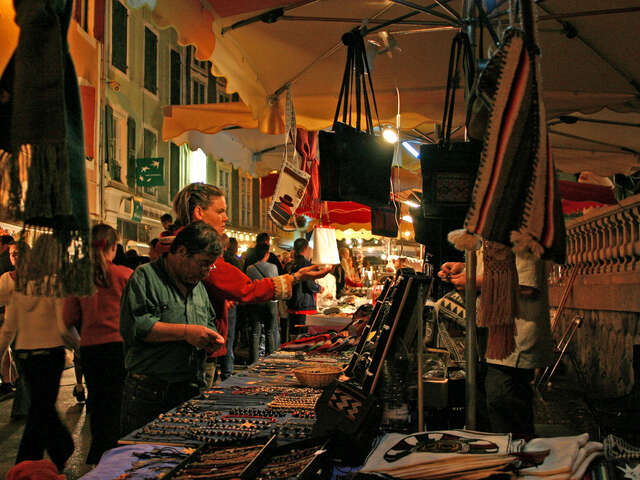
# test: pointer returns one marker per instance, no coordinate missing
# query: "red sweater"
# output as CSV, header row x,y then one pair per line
x,y
226,283
99,314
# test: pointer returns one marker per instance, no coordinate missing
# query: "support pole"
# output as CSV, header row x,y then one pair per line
x,y
471,350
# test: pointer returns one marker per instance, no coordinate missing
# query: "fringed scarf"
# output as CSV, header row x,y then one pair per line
x,y
42,149
514,199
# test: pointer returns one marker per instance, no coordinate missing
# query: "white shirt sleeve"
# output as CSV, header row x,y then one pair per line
x,y
527,272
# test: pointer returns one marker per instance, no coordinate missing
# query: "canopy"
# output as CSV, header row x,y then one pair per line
x,y
589,62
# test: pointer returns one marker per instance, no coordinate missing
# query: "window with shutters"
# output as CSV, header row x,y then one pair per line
x,y
131,153
265,223
224,179
119,27
150,60
114,151
176,70
198,73
246,195
149,151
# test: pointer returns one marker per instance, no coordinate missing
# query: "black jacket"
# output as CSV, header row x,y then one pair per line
x,y
302,297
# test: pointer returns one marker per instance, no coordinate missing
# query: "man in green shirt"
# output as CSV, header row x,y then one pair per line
x,y
167,324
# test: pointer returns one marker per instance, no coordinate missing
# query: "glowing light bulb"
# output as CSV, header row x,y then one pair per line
x,y
390,135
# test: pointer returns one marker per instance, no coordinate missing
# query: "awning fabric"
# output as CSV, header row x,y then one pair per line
x,y
268,185
207,118
191,20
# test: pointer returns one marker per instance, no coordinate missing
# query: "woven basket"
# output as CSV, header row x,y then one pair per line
x,y
319,376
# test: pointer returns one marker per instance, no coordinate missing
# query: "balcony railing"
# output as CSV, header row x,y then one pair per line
x,y
604,245
606,240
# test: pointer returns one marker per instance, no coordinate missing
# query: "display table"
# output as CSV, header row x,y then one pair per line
x,y
319,323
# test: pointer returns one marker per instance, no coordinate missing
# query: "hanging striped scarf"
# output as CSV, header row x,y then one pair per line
x,y
42,151
514,200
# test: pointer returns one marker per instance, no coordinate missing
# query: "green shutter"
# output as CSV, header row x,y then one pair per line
x,y
187,83
108,135
174,175
176,65
119,36
235,197
255,207
131,152
212,170
150,61
211,88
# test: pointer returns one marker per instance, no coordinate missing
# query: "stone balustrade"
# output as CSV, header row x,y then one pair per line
x,y
604,245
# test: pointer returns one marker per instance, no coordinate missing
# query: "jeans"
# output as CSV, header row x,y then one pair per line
x,y
261,318
104,373
276,324
44,430
228,360
144,398
510,399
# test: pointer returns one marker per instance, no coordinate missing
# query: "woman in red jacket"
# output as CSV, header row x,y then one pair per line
x,y
200,201
101,352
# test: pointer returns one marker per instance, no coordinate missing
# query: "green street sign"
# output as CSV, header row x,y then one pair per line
x,y
149,172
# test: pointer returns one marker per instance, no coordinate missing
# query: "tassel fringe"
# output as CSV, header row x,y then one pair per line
x,y
463,240
501,342
499,299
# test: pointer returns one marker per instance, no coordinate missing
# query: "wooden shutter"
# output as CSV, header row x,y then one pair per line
x,y
174,179
119,36
176,65
108,135
131,152
150,61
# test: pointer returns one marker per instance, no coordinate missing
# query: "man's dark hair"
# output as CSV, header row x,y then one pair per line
x,y
299,246
154,242
262,238
6,240
232,246
261,250
166,218
198,237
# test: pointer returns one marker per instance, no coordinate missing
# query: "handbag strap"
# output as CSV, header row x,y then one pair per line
x,y
460,54
355,88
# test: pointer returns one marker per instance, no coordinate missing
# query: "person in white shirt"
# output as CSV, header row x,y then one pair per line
x,y
36,324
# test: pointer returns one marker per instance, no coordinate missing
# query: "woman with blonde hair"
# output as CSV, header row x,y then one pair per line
x,y
101,350
225,283
35,321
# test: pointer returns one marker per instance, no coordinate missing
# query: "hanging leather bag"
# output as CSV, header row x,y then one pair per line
x,y
347,151
449,168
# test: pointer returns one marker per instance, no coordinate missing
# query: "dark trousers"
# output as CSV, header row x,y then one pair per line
x,y
104,373
509,399
228,360
144,398
44,430
262,318
297,319
21,401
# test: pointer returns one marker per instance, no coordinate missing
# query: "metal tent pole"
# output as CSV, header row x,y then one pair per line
x,y
471,347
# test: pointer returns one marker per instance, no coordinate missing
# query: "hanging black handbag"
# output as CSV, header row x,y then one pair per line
x,y
348,151
449,168
385,221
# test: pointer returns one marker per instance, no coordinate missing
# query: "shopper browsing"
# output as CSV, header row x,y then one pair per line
x,y
167,324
